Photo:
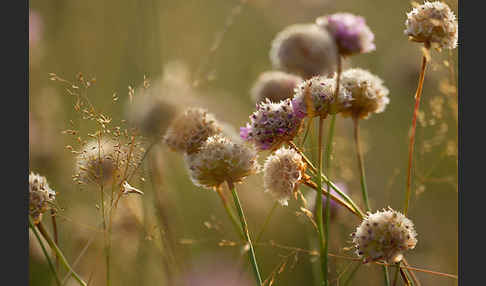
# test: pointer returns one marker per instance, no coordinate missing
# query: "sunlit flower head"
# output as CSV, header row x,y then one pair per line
x,y
271,125
219,160
432,22
188,131
367,91
315,97
40,196
384,235
282,172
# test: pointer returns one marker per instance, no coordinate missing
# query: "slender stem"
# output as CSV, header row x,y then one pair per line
x,y
418,94
53,246
327,214
325,192
410,271
56,236
359,154
350,277
326,180
267,220
318,206
387,276
230,213
51,265
396,274
247,234
106,238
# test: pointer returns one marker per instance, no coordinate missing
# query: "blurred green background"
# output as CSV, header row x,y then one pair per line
x,y
118,42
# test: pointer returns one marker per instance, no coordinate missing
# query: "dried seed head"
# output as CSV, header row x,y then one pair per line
x,y
368,93
304,49
40,196
282,172
150,114
271,125
432,23
315,97
274,85
384,235
189,130
104,161
352,34
219,160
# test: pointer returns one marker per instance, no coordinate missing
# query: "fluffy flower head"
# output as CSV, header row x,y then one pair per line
x,y
189,130
352,34
271,125
368,93
274,85
315,97
219,160
40,196
384,235
432,22
282,172
304,49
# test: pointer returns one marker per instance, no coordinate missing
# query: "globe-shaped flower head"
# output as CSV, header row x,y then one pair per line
x,y
219,160
315,97
304,49
368,93
271,125
432,22
282,172
40,196
384,235
274,85
188,131
352,34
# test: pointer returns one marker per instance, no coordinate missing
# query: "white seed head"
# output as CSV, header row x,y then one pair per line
x,y
315,97
150,114
368,93
432,22
304,49
189,130
101,162
40,196
274,85
282,172
219,160
384,235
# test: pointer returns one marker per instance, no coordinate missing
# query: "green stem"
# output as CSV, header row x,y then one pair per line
x,y
318,204
267,220
359,154
350,277
51,265
230,213
247,234
387,276
328,169
53,246
396,274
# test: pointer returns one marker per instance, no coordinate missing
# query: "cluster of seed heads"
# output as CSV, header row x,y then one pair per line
x,y
384,235
41,196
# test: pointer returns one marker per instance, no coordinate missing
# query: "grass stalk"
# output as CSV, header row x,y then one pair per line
x,y
244,225
359,154
41,243
59,253
318,206
230,213
418,94
267,220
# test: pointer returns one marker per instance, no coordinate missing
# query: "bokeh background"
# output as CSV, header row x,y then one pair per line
x,y
171,43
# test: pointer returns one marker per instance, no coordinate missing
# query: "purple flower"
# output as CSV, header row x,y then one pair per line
x,y
352,34
271,125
